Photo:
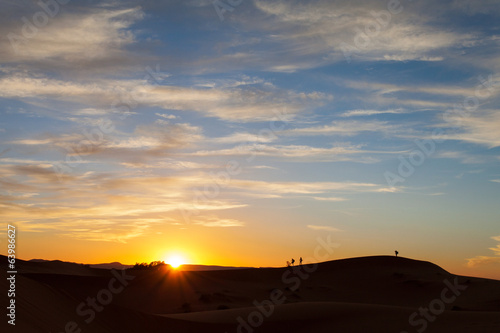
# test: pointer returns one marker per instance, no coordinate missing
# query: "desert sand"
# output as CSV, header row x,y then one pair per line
x,y
368,294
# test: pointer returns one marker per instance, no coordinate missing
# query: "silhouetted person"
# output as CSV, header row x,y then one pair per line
x,y
287,264
293,261
300,261
396,253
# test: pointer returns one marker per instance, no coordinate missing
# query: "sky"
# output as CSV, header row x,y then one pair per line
x,y
248,132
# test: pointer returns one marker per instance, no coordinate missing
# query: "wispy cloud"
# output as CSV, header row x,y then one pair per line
x,y
107,231
345,128
359,113
338,153
213,221
166,116
410,98
242,104
306,187
170,164
326,26
242,137
103,206
485,260
74,39
332,199
145,143
323,228
464,157
384,88
482,260
479,128
290,36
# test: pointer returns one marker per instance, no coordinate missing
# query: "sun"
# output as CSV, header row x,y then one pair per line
x,y
175,261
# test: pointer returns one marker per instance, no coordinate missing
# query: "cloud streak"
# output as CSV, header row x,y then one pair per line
x,y
215,222
90,38
486,260
242,104
323,228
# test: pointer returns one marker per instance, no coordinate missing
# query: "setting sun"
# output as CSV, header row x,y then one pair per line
x,y
175,261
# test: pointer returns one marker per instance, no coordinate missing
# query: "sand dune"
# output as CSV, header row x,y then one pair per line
x,y
345,317
369,294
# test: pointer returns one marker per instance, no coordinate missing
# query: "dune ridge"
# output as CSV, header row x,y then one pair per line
x,y
366,294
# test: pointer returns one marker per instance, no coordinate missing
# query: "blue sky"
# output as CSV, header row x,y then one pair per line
x,y
214,126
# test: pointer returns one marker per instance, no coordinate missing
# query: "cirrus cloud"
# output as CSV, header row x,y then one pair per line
x,y
486,260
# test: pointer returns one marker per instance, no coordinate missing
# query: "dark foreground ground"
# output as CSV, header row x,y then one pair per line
x,y
369,294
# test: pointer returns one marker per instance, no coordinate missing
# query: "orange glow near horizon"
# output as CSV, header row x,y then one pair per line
x,y
175,261
196,245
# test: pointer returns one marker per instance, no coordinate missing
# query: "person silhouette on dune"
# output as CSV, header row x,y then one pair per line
x,y
293,261
300,261
396,253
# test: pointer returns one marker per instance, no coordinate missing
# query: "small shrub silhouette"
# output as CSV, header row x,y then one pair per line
x,y
154,265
